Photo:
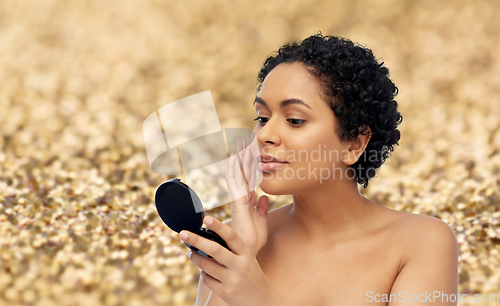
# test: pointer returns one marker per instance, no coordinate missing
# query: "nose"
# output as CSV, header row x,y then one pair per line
x,y
268,134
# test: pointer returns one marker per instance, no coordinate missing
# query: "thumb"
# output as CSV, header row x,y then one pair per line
x,y
262,206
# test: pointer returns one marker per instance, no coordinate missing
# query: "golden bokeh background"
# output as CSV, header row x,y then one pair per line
x,y
78,224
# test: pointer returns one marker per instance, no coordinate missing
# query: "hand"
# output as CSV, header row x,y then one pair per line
x,y
236,277
249,219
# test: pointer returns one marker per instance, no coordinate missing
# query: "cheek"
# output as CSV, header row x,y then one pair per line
x,y
313,158
315,152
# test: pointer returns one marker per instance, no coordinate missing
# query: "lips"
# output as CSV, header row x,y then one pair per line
x,y
269,159
269,163
270,166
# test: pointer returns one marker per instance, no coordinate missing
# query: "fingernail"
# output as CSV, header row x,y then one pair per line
x,y
208,221
183,235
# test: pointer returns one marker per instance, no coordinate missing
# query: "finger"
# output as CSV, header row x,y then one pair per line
x,y
254,149
247,161
212,248
253,176
263,206
242,185
209,258
203,244
253,169
230,166
237,193
245,173
207,265
232,239
212,283
252,200
237,174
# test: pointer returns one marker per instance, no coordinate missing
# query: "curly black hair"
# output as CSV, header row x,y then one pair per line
x,y
356,87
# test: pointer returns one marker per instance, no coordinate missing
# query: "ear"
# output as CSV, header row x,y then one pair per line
x,y
358,146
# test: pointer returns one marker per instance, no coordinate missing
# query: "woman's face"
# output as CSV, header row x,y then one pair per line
x,y
303,136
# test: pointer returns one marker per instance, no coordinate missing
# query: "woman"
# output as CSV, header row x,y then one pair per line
x,y
327,114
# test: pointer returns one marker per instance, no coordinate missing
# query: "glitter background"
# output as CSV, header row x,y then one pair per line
x,y
78,224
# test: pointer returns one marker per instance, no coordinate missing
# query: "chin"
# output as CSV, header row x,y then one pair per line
x,y
276,186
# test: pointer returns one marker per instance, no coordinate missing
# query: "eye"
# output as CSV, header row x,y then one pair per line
x,y
260,119
295,120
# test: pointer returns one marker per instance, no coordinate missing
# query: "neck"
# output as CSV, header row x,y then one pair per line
x,y
330,212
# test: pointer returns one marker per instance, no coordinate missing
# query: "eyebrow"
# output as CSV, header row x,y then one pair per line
x,y
283,103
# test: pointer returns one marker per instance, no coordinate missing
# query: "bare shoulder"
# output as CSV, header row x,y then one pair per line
x,y
422,233
426,228
430,257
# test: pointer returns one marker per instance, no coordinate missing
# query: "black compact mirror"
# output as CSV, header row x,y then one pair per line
x,y
181,209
